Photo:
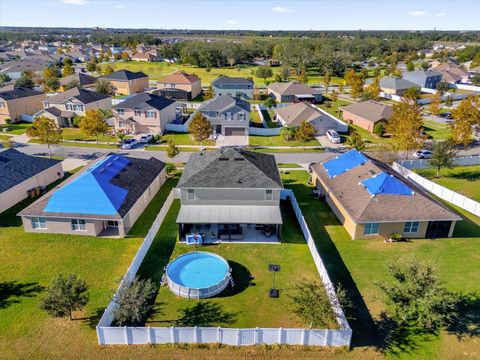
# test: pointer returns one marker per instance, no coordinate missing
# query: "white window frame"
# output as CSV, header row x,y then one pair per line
x,y
371,228
190,194
78,224
240,117
38,223
411,227
121,111
269,194
150,112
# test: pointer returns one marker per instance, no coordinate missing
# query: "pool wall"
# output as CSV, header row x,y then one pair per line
x,y
192,293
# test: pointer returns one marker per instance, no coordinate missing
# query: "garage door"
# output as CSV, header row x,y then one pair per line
x,y
236,131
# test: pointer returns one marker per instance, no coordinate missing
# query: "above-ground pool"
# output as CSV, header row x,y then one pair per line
x,y
198,275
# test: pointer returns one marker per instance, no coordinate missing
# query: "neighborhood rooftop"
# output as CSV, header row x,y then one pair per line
x,y
18,93
231,80
292,88
224,102
179,77
392,82
370,110
82,95
145,101
124,75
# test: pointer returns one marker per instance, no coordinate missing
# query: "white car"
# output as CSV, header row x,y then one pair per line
x,y
423,154
333,136
129,143
145,139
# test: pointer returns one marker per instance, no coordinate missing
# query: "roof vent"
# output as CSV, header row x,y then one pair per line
x,y
223,159
240,181
238,159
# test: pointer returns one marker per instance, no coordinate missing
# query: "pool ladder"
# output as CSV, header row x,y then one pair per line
x,y
232,284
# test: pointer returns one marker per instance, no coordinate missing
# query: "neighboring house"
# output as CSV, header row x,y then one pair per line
x,y
294,92
294,114
143,57
63,107
104,199
20,173
144,113
127,82
236,87
18,103
230,195
227,115
180,86
474,71
14,69
85,81
396,86
371,200
452,73
367,113
425,78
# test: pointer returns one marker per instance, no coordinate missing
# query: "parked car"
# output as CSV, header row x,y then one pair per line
x,y
129,143
333,136
446,115
145,139
423,154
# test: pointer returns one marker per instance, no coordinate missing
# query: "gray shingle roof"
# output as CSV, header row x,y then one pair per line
x,y
145,101
224,102
423,73
18,93
83,79
231,80
16,167
82,95
392,82
370,110
124,75
231,168
292,88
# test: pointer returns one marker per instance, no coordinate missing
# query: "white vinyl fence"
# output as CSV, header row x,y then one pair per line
x,y
465,87
264,131
425,164
108,335
440,191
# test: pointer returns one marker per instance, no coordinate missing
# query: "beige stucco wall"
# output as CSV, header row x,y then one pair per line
x,y
64,226
130,87
358,120
14,109
19,192
149,125
101,104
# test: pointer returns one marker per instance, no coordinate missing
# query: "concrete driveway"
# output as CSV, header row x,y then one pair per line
x,y
327,144
232,140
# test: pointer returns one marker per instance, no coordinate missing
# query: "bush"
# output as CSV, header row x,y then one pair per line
x,y
170,168
379,129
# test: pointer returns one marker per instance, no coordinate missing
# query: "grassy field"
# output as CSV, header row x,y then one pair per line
x,y
246,305
184,139
277,140
359,264
76,134
16,129
462,179
436,130
333,107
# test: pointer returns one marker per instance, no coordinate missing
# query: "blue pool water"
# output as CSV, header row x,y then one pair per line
x,y
198,270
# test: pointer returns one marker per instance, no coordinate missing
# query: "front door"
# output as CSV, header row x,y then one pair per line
x,y
438,229
218,129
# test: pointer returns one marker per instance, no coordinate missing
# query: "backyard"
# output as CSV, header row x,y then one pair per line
x,y
463,179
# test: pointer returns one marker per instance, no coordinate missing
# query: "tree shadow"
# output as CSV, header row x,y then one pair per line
x,y
242,279
204,313
11,292
92,320
467,323
465,175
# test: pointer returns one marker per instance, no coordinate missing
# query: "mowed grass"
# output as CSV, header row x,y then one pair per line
x,y
333,107
248,303
15,129
358,265
31,261
77,134
277,140
184,139
436,130
463,179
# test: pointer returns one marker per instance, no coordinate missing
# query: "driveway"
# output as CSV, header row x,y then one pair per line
x,y
328,145
232,140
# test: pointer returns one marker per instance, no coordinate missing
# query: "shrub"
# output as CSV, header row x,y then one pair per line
x,y
170,168
379,129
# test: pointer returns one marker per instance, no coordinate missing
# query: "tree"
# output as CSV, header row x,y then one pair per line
x,y
355,141
71,84
305,132
436,104
51,71
91,66
170,168
67,70
270,102
288,133
476,79
357,87
134,302
334,95
416,297
303,78
466,115
404,124
350,76
443,155
374,88
442,87
209,93
105,87
125,56
52,84
46,131
200,127
172,149
425,65
4,78
25,80
326,80
67,61
379,129
410,66
285,71
65,295
264,72
411,93
93,124
107,70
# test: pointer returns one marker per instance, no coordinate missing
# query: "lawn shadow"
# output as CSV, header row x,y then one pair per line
x,y
92,320
205,313
242,278
11,292
467,323
465,175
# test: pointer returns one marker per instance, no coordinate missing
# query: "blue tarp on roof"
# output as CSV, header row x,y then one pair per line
x,y
92,192
344,162
384,183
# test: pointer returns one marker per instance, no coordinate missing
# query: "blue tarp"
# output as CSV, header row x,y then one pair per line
x,y
344,162
92,192
384,183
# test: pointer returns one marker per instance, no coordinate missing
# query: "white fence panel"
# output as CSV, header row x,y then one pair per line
x,y
247,337
185,335
161,335
229,336
316,337
264,131
139,335
181,128
466,87
268,336
113,335
293,336
208,335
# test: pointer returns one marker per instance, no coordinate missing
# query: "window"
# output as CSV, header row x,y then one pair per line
x,y
137,113
78,107
78,225
240,117
69,106
150,114
39,223
112,223
269,195
411,227
172,86
46,104
120,111
191,194
228,116
370,229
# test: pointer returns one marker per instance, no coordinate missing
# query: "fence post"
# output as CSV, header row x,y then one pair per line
x,y
219,335
195,334
100,336
149,329
327,340
257,336
238,338
304,336
280,335
172,334
125,335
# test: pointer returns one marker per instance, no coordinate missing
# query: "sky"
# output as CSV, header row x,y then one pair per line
x,y
246,14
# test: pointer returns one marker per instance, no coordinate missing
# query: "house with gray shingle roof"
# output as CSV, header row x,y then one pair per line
x,y
294,92
230,195
127,82
396,86
236,87
367,113
425,78
227,115
20,172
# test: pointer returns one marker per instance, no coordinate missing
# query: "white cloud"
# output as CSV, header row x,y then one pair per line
x,y
440,14
232,22
417,13
282,10
75,2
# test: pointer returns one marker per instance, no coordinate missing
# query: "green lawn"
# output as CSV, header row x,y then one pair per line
x,y
255,119
31,261
76,134
359,264
184,139
248,304
79,144
462,179
278,141
288,150
289,165
333,107
16,129
436,130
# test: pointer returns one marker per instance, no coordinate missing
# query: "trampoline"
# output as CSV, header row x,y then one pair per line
x,y
198,275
